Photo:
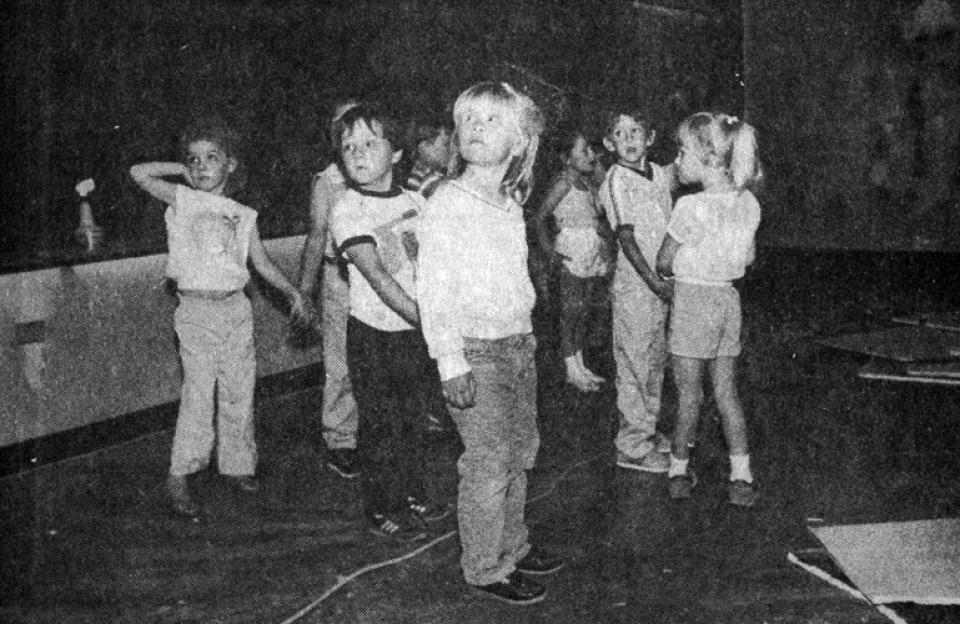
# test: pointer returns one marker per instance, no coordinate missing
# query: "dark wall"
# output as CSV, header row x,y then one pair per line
x,y
859,106
96,85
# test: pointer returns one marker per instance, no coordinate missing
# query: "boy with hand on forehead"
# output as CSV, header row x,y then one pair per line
x,y
636,196
373,226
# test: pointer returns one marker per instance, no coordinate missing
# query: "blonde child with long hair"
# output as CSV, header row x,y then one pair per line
x,y
210,239
709,244
475,298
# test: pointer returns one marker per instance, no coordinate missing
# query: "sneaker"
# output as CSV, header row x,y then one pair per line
x,y
244,483
539,561
681,485
428,512
181,501
742,494
516,589
395,528
343,462
652,462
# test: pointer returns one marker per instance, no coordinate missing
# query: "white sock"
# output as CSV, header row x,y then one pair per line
x,y
740,468
678,467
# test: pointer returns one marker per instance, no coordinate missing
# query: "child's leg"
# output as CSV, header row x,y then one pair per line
x,y
371,374
339,416
572,310
688,375
193,437
524,441
639,342
723,376
491,491
236,444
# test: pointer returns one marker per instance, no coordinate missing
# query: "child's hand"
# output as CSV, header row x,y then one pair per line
x,y
461,391
302,313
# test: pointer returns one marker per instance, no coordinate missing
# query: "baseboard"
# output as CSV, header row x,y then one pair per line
x,y
62,445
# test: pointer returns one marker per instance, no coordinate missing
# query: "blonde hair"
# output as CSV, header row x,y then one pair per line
x,y
527,122
726,142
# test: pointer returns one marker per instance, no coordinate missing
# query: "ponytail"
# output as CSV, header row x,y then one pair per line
x,y
745,168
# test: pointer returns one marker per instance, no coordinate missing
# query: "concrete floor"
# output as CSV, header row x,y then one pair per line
x,y
91,540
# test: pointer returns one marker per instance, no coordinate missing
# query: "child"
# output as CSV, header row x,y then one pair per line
x,y
636,197
573,204
429,144
709,243
475,300
210,238
339,415
373,226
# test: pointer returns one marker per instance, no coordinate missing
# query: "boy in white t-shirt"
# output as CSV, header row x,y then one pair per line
x,y
374,227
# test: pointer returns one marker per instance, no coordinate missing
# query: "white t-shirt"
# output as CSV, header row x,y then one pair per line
x,y
208,237
389,221
716,234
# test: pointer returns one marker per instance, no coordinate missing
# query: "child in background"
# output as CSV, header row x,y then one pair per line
x,y
373,223
574,206
210,238
428,142
475,299
636,197
339,415
709,243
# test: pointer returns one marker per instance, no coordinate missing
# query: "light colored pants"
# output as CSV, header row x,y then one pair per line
x,y
500,439
339,417
640,352
218,356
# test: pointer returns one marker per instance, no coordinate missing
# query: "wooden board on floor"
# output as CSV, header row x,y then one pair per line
x,y
882,370
949,369
902,344
916,561
949,321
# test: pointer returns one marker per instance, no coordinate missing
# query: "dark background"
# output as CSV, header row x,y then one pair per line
x,y
857,105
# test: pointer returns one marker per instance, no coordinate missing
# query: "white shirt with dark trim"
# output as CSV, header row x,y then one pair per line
x,y
388,220
473,279
631,199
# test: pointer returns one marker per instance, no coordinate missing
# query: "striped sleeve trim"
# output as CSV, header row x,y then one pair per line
x,y
357,240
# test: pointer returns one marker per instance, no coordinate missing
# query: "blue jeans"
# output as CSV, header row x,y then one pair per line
x,y
500,439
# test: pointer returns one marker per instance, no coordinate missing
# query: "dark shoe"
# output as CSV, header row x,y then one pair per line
x,y
181,501
742,494
539,561
680,486
243,483
516,589
396,528
343,462
428,512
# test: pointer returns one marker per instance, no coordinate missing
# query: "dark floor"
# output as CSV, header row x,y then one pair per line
x,y
90,539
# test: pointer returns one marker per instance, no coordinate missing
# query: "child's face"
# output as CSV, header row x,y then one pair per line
x,y
485,133
629,139
689,166
582,159
209,166
435,152
367,156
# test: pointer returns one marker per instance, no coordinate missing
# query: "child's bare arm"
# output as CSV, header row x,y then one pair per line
x,y
300,308
631,250
670,172
547,208
365,257
150,177
668,250
321,202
